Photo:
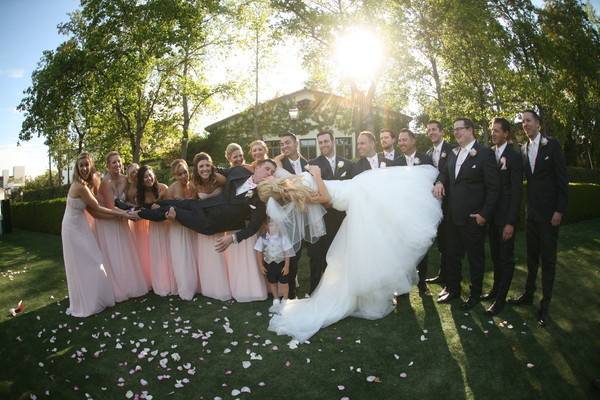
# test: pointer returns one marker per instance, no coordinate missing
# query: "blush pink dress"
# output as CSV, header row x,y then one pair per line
x,y
183,259
163,278
90,290
246,281
141,234
212,268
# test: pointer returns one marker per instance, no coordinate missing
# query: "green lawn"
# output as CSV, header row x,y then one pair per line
x,y
443,351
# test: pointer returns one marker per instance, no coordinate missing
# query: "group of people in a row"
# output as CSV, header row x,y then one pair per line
x,y
480,187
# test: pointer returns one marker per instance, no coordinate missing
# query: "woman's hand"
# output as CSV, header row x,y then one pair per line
x,y
314,170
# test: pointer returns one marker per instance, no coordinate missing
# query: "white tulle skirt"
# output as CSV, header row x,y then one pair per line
x,y
391,221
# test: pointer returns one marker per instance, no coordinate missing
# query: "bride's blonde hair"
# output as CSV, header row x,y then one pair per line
x,y
285,190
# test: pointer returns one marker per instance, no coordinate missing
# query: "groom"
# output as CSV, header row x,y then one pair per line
x,y
228,211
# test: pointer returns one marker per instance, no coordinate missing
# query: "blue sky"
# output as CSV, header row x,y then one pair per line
x,y
28,27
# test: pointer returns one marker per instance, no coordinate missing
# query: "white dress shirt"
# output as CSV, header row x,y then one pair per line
x,y
499,151
532,150
389,155
296,165
246,186
374,161
331,162
463,153
437,152
410,159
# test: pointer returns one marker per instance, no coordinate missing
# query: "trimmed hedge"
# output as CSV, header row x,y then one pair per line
x,y
583,175
46,193
46,216
39,216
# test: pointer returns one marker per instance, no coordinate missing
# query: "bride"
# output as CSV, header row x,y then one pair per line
x,y
391,221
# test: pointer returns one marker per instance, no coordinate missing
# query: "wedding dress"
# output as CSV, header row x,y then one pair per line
x,y
391,221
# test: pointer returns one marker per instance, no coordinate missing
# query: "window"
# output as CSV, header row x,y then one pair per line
x,y
343,147
274,148
308,148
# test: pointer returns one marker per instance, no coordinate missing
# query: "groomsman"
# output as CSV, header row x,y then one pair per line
x,y
294,163
369,159
407,143
471,183
439,153
502,227
547,192
332,167
387,138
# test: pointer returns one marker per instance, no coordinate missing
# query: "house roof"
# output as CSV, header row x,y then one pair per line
x,y
340,99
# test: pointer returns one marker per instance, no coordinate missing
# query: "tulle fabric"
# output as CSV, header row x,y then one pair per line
x,y
212,268
90,290
391,221
183,258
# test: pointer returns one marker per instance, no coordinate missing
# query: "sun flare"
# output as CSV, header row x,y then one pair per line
x,y
358,54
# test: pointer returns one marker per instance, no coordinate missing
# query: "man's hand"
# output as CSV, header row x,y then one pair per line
x,y
556,218
508,232
438,190
223,243
478,218
314,170
133,215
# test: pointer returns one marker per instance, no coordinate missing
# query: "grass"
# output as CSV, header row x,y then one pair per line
x,y
463,356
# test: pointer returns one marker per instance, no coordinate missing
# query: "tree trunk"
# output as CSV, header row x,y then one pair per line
x,y
185,135
50,183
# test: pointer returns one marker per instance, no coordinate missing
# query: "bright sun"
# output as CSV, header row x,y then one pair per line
x,y
358,55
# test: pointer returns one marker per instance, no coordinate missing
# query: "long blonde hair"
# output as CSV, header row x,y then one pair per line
x,y
285,190
77,175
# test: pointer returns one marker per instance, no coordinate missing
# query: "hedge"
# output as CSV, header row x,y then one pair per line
x,y
583,175
46,216
48,193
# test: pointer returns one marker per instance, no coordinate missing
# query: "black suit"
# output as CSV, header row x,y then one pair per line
x,y
419,159
333,219
397,155
287,165
506,212
225,212
547,192
363,164
442,227
473,191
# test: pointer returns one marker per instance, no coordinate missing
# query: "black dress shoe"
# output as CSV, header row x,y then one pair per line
x,y
542,318
447,297
522,300
471,302
443,292
495,308
436,280
489,296
424,291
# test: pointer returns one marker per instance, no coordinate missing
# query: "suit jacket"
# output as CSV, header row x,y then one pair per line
x,y
363,165
343,169
423,159
475,189
287,165
548,185
443,161
510,173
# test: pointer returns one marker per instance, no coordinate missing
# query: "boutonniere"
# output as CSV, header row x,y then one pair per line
x,y
249,193
382,165
472,152
443,155
524,148
340,164
502,162
455,150
543,141
417,161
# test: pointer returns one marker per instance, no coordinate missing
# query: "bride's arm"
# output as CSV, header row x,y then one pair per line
x,y
322,195
278,159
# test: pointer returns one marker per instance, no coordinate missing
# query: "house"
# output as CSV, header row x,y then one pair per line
x,y
305,112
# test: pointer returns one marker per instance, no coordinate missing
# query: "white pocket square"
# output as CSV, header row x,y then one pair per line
x,y
252,206
474,166
547,158
344,174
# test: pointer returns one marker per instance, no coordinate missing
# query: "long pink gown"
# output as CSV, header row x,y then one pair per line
x,y
141,234
212,268
246,281
89,287
122,262
163,279
183,258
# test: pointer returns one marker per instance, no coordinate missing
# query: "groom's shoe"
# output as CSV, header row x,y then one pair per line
x,y
471,302
447,297
543,317
495,308
423,290
491,295
522,300
437,280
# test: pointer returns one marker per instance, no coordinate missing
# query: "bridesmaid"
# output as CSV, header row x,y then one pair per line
x,y
212,269
139,228
182,239
234,155
258,151
149,191
115,238
90,290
